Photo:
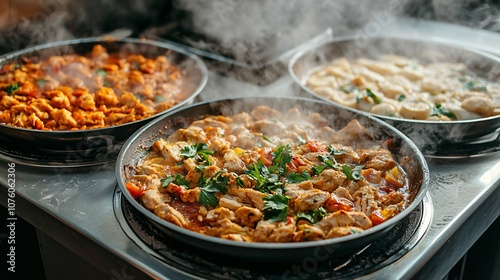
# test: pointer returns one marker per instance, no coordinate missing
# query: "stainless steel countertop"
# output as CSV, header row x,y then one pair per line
x,y
75,205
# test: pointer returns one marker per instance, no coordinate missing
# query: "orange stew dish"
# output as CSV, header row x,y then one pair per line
x,y
268,176
78,92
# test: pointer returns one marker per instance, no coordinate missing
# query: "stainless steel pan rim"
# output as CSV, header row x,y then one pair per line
x,y
134,143
446,131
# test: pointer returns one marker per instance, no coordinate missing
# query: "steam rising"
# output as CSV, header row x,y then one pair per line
x,y
246,30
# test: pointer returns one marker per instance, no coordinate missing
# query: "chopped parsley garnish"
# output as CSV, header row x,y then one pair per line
x,y
327,162
348,88
239,182
208,198
10,89
159,98
139,96
336,152
101,72
265,137
318,169
375,98
298,177
401,97
275,207
440,110
354,231
266,181
200,149
208,187
282,157
353,174
475,86
41,82
177,179
313,216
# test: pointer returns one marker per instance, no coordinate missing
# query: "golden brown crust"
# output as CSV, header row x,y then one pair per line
x,y
77,92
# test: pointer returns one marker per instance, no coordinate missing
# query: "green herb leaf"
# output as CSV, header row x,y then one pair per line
x,y
318,169
401,97
214,184
10,89
139,96
217,184
275,207
282,156
101,72
354,231
239,182
159,98
329,161
177,179
336,152
353,174
189,151
267,139
475,86
41,82
298,177
313,216
375,98
348,88
200,149
265,181
440,110
208,198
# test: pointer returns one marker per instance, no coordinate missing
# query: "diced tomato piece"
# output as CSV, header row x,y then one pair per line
x,y
175,189
316,146
295,164
266,156
333,204
134,190
29,89
377,218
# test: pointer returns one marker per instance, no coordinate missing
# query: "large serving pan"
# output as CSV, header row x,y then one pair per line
x,y
138,145
104,143
432,137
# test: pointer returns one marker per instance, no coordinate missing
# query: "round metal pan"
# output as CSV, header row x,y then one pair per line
x,y
89,146
432,137
138,145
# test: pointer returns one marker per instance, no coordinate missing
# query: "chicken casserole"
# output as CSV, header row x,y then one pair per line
x,y
94,90
267,176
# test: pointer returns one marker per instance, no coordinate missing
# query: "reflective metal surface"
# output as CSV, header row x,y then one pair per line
x,y
403,237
